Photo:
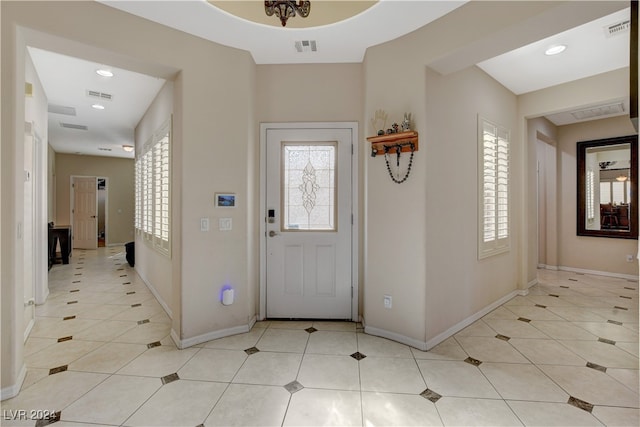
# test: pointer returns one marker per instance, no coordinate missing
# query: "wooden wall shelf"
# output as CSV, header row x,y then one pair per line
x,y
392,140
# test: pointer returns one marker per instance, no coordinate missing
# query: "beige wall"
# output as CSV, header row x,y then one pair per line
x,y
120,200
542,134
582,252
154,267
51,184
594,90
323,93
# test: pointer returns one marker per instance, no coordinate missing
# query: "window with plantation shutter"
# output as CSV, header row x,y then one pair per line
x,y
494,226
153,192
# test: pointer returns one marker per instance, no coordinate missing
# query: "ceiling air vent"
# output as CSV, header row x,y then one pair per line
x,y
72,126
598,111
617,28
306,46
99,95
61,109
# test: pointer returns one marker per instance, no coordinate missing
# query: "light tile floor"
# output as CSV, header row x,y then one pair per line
x,y
100,354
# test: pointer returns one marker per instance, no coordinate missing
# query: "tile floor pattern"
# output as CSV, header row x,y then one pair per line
x,y
100,354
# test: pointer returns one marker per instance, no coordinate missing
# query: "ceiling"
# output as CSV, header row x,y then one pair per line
x,y
590,51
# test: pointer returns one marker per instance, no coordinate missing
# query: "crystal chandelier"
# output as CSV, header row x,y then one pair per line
x,y
287,9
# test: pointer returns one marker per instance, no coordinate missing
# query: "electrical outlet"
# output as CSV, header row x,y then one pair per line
x,y
204,224
629,258
387,301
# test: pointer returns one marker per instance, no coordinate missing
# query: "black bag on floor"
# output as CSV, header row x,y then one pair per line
x,y
131,253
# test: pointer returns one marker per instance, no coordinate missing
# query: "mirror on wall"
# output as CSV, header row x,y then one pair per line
x,y
608,187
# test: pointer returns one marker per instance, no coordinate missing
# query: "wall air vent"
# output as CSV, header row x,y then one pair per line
x,y
61,109
104,149
99,95
72,126
598,111
306,46
617,28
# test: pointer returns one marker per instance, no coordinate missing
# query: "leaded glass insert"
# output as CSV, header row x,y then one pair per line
x,y
308,186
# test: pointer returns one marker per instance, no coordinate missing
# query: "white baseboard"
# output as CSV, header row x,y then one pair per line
x,y
424,346
190,342
599,273
13,390
548,267
532,283
155,293
29,327
395,337
115,244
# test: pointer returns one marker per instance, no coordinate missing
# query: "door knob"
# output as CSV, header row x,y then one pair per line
x,y
272,233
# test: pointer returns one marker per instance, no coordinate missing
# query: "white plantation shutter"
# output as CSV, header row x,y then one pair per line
x,y
494,188
152,189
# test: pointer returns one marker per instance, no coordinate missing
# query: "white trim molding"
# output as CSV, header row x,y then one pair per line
x,y
13,390
598,273
428,345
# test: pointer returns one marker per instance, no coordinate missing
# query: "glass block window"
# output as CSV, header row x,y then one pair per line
x,y
309,186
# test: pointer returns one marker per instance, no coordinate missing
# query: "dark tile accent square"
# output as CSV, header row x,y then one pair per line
x,y
58,369
596,367
524,319
74,290
293,386
120,269
136,305
615,322
472,361
142,322
430,395
625,297
252,350
72,302
68,317
126,283
170,378
358,356
606,341
541,306
581,404
503,337
200,425
574,280
78,268
564,287
131,293
620,308
63,339
78,274
52,418
154,344
631,289
76,281
311,330
123,275
554,295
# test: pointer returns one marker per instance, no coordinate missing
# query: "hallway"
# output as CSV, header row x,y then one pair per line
x,y
100,353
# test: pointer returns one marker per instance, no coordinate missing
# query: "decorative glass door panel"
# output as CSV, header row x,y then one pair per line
x,y
308,186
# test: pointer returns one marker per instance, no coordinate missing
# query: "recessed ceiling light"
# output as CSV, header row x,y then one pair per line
x,y
556,49
98,106
128,148
104,73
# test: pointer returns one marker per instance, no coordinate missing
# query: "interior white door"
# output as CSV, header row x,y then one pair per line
x,y
309,207
85,208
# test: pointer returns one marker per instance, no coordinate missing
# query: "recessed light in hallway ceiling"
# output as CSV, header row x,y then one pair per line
x,y
322,12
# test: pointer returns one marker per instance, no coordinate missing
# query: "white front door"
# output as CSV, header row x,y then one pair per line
x,y
85,208
308,220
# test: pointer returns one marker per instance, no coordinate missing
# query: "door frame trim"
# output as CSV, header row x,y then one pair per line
x,y
353,127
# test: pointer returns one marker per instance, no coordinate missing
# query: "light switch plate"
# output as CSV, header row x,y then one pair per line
x,y
225,224
204,224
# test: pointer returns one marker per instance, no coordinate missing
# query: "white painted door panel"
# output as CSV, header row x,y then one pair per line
x,y
309,234
85,208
